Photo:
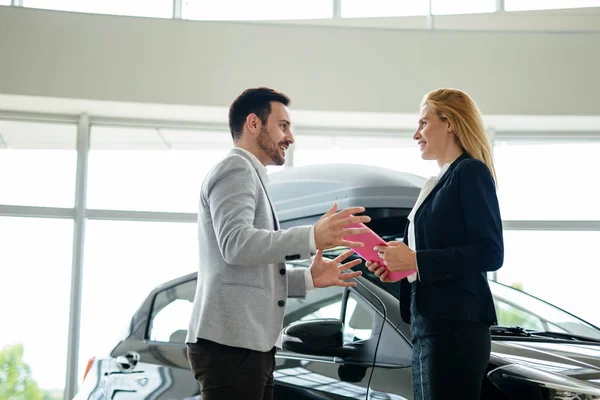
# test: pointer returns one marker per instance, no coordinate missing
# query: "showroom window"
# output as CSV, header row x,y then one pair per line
x,y
383,8
36,257
37,163
545,263
139,8
547,181
151,169
123,262
256,9
394,8
462,6
519,5
400,154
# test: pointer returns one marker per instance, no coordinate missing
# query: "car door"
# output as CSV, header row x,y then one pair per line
x,y
392,374
162,371
304,376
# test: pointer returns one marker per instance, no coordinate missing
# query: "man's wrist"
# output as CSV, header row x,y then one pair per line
x,y
308,280
312,240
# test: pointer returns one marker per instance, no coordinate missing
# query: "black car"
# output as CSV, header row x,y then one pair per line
x,y
351,343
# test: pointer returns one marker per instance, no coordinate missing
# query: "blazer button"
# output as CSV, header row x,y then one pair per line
x,y
282,271
281,303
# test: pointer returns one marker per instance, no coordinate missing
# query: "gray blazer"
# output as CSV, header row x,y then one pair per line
x,y
243,282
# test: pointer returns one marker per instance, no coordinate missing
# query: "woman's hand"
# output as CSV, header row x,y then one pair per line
x,y
398,256
379,270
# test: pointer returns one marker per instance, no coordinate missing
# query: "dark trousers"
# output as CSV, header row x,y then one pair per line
x,y
226,372
449,357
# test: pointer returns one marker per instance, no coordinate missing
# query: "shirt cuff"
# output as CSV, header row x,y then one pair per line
x,y
311,240
308,280
417,266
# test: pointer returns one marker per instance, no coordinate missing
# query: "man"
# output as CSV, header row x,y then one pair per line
x,y
243,283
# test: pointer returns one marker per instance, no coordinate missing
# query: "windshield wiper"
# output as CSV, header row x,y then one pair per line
x,y
499,330
563,335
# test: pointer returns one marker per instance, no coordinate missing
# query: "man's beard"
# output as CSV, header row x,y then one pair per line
x,y
270,148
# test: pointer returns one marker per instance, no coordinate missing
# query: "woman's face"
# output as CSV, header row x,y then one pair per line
x,y
433,135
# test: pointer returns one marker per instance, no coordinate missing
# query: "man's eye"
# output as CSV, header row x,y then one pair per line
x,y
284,126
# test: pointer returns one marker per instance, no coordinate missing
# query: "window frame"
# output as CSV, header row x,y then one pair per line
x,y
147,330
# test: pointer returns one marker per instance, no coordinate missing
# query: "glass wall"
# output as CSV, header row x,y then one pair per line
x,y
397,153
256,9
519,5
140,8
124,261
158,171
230,10
383,8
133,169
36,257
37,164
558,266
547,181
394,8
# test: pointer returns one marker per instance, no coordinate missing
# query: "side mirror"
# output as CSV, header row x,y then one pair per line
x,y
321,337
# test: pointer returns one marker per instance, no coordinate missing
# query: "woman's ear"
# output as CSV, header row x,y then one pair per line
x,y
449,128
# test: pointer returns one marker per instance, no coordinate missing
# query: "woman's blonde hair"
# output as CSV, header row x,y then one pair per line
x,y
465,118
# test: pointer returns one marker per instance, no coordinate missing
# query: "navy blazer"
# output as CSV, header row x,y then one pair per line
x,y
458,235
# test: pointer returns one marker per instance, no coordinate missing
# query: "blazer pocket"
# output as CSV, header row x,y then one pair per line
x,y
243,284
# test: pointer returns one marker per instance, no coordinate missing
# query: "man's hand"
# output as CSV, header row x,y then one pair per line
x,y
330,229
398,256
327,272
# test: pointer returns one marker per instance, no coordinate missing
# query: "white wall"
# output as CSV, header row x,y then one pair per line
x,y
57,54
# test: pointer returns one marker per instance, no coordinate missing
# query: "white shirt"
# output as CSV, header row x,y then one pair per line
x,y
262,172
427,188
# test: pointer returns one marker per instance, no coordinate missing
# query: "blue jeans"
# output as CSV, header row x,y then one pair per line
x,y
449,357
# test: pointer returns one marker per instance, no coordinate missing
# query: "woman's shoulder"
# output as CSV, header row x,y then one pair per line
x,y
471,166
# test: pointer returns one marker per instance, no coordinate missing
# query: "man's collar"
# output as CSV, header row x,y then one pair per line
x,y
258,166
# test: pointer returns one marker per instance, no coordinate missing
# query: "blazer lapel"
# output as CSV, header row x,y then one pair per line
x,y
444,178
262,183
275,220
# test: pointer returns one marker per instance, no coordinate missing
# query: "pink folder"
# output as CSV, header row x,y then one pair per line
x,y
371,239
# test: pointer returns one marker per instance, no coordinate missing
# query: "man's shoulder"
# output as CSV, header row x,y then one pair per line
x,y
232,161
231,164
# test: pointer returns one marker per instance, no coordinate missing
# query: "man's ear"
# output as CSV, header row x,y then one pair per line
x,y
253,123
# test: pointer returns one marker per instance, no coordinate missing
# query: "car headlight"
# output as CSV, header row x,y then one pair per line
x,y
523,382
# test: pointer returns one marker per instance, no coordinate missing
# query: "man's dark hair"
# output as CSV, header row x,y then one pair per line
x,y
253,101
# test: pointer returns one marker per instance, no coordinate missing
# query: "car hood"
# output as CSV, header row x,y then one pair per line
x,y
553,363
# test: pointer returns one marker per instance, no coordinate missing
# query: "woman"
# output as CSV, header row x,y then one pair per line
x,y
453,238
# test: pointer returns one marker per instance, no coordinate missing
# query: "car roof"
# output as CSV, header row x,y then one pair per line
x,y
302,192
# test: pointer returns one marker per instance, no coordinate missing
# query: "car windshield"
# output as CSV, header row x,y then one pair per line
x,y
514,308
517,308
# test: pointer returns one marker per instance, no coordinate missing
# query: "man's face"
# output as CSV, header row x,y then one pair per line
x,y
276,136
